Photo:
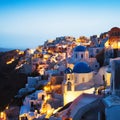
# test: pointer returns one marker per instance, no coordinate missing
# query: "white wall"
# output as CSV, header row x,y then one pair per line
x,y
78,78
71,95
78,58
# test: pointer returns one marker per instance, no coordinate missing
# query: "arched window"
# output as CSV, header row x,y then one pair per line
x,y
116,34
119,33
81,55
104,82
69,86
68,78
103,77
76,55
83,80
96,66
43,96
32,104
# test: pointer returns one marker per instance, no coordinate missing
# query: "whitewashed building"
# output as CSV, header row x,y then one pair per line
x,y
77,81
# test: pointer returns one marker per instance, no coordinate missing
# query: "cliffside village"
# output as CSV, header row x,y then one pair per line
x,y
81,78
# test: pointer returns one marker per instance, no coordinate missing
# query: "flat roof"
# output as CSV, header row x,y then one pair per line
x,y
80,102
111,100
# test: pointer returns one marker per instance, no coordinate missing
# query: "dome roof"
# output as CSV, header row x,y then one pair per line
x,y
79,48
68,70
114,29
81,67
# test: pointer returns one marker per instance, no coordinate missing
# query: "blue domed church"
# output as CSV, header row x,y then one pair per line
x,y
77,81
80,53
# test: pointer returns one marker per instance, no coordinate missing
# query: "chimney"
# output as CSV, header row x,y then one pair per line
x,y
115,77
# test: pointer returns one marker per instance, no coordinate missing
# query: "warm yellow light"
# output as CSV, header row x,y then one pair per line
x,y
47,97
17,50
2,114
49,113
32,51
21,52
46,88
118,44
46,56
7,108
52,87
56,110
107,44
49,51
10,61
112,46
43,109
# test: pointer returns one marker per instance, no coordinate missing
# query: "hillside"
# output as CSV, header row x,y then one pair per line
x,y
10,80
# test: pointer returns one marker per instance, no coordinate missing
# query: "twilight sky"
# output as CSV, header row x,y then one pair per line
x,y
28,23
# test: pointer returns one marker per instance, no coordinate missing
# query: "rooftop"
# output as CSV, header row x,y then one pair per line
x,y
68,70
81,67
79,48
81,104
112,101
